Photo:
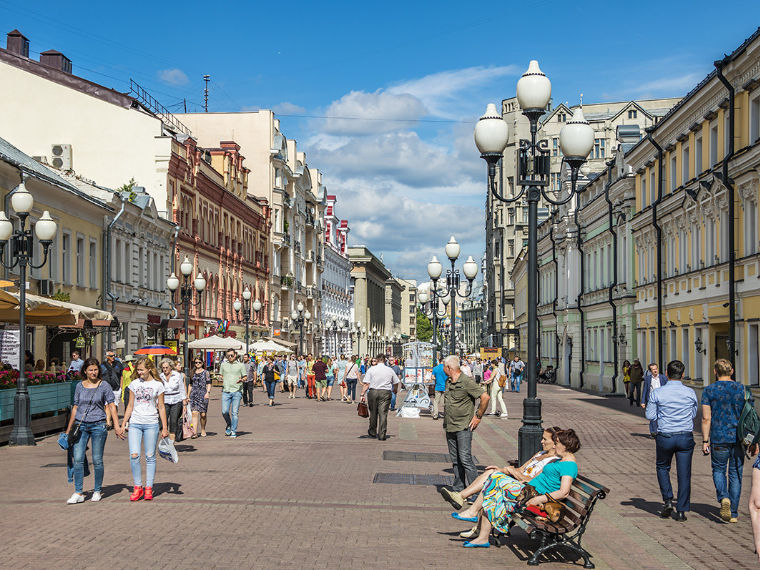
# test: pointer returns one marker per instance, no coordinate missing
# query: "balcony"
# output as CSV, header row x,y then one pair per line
x,y
297,247
309,220
286,282
286,200
310,256
309,291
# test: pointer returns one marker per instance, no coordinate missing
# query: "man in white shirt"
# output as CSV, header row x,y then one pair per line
x,y
378,383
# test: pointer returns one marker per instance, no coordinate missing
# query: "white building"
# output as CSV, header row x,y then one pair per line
x,y
337,299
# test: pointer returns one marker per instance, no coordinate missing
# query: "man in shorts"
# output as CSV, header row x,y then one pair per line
x,y
320,378
292,376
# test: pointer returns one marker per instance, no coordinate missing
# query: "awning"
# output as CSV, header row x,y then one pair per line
x,y
46,311
269,346
282,342
215,343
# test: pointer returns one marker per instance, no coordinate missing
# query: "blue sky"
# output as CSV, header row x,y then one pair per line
x,y
401,82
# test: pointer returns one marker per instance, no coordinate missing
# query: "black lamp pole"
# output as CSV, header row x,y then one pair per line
x,y
186,290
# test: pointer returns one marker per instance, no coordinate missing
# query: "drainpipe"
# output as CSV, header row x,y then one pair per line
x,y
658,245
554,301
172,270
731,238
579,244
107,295
614,283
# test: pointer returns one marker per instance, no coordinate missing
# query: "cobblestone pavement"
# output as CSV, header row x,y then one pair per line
x,y
296,490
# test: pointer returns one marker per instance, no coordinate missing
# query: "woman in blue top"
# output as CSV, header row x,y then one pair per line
x,y
500,491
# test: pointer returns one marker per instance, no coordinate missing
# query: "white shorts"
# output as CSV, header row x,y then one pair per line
x,y
292,380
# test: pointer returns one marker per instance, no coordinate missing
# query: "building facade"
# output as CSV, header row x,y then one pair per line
x,y
408,310
337,299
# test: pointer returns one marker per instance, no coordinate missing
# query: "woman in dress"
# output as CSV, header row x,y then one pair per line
x,y
200,391
627,377
175,397
92,397
500,490
146,406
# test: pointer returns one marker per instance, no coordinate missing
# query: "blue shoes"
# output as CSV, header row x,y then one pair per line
x,y
227,431
469,544
465,519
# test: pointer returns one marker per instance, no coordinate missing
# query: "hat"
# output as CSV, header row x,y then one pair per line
x,y
129,358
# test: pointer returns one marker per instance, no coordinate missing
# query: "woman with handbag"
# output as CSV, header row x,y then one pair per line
x,y
497,383
200,391
92,397
352,378
175,397
146,406
270,375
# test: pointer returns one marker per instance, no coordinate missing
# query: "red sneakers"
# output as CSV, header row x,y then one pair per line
x,y
137,494
148,493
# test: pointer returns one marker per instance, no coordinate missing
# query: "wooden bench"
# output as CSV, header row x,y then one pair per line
x,y
568,531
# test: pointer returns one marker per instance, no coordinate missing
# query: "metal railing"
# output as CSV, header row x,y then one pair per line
x,y
152,104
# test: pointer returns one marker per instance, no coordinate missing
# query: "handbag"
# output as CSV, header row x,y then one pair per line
x,y
362,410
502,380
187,425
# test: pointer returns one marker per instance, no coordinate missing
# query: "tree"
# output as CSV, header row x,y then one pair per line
x,y
424,327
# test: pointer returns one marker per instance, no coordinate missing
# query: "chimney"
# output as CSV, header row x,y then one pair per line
x,y
17,43
56,60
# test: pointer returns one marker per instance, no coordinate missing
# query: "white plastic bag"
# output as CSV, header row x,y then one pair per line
x,y
410,412
167,450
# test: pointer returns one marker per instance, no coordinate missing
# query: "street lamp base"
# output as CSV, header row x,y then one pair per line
x,y
22,420
530,434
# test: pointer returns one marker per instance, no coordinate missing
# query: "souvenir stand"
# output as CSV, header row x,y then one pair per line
x,y
418,375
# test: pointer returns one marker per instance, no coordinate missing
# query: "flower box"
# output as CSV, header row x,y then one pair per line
x,y
42,397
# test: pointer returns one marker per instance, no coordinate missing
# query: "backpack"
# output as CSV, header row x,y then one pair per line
x,y
749,422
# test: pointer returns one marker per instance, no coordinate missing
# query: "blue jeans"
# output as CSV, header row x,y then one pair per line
x,y
231,406
393,401
682,446
351,384
145,436
460,452
97,432
270,389
516,382
731,456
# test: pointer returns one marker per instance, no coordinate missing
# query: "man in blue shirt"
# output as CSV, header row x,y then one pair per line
x,y
674,407
440,387
653,379
722,403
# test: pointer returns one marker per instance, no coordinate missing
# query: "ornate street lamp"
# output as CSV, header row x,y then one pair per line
x,y
246,306
21,254
576,141
186,290
430,308
299,317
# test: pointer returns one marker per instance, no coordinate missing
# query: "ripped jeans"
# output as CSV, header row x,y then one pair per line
x,y
145,436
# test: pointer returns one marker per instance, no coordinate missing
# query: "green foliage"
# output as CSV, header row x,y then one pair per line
x,y
424,327
61,296
129,188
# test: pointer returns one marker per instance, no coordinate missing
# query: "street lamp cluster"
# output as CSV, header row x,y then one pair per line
x,y
246,307
448,291
21,253
299,316
186,290
576,140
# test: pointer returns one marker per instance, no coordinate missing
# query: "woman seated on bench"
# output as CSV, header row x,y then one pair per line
x,y
525,473
501,491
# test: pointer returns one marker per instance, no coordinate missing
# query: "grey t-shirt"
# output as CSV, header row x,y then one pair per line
x,y
91,402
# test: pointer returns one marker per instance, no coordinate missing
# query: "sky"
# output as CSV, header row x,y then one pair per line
x,y
383,96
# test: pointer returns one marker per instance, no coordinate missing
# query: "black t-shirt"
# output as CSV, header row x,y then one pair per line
x,y
320,370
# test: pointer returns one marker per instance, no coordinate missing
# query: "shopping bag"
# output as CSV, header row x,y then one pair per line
x,y
187,425
167,450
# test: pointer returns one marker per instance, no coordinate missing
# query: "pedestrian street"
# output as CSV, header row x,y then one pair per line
x,y
300,488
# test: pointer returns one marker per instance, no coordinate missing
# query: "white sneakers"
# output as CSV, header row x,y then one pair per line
x,y
75,498
504,416
96,496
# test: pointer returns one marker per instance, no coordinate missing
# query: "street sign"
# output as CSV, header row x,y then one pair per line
x,y
10,345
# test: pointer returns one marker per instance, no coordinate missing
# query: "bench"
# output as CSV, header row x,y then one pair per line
x,y
569,530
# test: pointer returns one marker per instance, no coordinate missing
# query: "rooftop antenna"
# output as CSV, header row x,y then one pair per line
x,y
581,99
206,79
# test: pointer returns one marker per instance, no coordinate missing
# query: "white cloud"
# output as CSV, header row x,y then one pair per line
x,y
175,77
358,113
286,108
671,86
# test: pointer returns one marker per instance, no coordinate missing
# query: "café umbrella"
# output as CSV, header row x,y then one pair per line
x,y
156,350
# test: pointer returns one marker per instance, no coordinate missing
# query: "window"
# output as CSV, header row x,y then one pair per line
x,y
555,181
66,258
672,345
511,247
713,143
686,350
53,260
525,215
80,262
643,192
682,251
93,264
510,216
561,117
724,237
696,246
673,176
750,227
555,146
754,120
726,132
127,275
697,155
753,354
709,242
141,267
632,114
598,150
117,255
685,163
652,187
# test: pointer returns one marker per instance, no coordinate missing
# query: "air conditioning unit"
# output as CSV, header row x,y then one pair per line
x,y
61,156
47,287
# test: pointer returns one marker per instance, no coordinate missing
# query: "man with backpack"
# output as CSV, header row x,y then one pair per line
x,y
728,415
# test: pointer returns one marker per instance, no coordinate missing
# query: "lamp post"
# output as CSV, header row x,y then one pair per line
x,y
429,308
299,317
246,306
576,141
452,288
22,251
186,290
355,330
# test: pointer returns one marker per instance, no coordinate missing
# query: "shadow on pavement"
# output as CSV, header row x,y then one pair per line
x,y
114,489
710,512
185,448
169,488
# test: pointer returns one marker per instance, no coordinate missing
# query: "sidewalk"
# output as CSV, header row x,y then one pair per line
x,y
297,490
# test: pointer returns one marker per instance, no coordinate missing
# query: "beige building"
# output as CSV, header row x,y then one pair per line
x,y
408,310
507,224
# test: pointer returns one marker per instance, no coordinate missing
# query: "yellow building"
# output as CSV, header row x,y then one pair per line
x,y
683,209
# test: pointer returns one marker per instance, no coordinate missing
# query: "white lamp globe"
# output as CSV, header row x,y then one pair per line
x,y
237,305
247,294
172,282
423,297
45,228
576,139
491,132
452,249
6,227
470,268
257,305
200,283
300,307
434,268
294,314
21,200
534,90
446,298
186,268
307,315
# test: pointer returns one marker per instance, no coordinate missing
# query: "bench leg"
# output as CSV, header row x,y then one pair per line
x,y
533,561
